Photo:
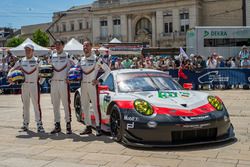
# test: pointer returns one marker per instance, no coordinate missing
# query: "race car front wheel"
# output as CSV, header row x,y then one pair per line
x,y
77,105
115,124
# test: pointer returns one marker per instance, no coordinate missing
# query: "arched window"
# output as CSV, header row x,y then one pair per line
x,y
144,24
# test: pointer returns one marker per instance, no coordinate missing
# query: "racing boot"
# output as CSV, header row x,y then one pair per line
x,y
87,130
98,131
25,127
57,128
68,128
40,128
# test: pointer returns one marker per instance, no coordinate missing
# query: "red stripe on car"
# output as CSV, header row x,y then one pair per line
x,y
182,112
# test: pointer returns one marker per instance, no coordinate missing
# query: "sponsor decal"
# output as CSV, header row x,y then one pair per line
x,y
130,125
165,95
184,94
128,118
62,58
198,118
32,62
212,76
196,126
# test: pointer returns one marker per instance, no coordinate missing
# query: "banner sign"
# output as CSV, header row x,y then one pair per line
x,y
220,76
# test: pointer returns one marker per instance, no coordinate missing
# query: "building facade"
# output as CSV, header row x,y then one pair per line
x,y
247,12
5,34
160,23
157,23
73,23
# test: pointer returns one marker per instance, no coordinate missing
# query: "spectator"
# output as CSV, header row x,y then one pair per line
x,y
148,63
106,57
135,63
244,53
161,64
212,62
118,63
126,63
245,63
199,64
220,62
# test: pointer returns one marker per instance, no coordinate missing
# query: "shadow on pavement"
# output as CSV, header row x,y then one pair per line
x,y
62,136
197,147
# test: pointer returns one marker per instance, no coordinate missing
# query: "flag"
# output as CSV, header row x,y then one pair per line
x,y
183,54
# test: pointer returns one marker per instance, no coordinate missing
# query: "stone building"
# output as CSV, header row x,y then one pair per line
x,y
73,23
158,23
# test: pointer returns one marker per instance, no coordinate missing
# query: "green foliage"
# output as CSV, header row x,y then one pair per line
x,y
41,38
14,42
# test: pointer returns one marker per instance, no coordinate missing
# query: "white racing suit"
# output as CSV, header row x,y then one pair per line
x,y
59,87
90,67
30,88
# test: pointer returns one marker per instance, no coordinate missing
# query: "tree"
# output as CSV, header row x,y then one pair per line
x,y
41,38
14,42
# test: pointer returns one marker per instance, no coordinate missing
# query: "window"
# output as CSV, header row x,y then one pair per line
x,y
87,25
80,25
104,28
117,26
168,21
57,28
184,20
226,42
72,26
109,82
168,27
64,27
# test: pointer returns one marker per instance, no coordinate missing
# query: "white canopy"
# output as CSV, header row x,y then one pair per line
x,y
39,50
74,47
115,40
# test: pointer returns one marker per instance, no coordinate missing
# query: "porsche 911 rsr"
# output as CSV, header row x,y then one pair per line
x,y
143,107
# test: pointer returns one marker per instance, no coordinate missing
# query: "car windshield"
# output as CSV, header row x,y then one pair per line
x,y
145,81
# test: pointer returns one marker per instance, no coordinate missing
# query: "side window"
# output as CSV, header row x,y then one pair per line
x,y
109,82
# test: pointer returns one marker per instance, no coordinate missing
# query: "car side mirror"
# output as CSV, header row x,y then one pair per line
x,y
188,86
102,89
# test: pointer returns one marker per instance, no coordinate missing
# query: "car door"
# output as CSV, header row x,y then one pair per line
x,y
105,96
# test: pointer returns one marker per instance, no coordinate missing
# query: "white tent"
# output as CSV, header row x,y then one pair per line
x,y
39,50
74,47
102,50
115,40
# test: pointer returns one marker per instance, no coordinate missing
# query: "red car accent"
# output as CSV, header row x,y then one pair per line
x,y
171,111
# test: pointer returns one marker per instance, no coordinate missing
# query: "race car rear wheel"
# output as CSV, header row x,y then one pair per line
x,y
77,105
115,124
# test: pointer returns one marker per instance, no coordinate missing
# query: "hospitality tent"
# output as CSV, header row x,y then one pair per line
x,y
74,47
39,50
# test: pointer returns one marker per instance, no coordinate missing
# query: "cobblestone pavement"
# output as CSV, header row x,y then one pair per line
x,y
21,149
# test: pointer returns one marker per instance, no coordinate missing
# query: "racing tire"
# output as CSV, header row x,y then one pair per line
x,y
77,105
116,129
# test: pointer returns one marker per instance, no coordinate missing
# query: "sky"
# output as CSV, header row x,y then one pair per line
x,y
17,13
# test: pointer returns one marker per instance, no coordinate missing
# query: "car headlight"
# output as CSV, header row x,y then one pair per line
x,y
143,107
215,102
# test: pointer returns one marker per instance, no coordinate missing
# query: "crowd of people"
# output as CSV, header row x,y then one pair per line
x,y
193,62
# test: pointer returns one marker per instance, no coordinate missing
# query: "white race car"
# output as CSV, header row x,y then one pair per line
x,y
144,107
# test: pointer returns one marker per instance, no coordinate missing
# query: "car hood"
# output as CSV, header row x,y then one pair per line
x,y
173,99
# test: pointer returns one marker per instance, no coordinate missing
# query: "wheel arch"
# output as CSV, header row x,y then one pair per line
x,y
109,109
